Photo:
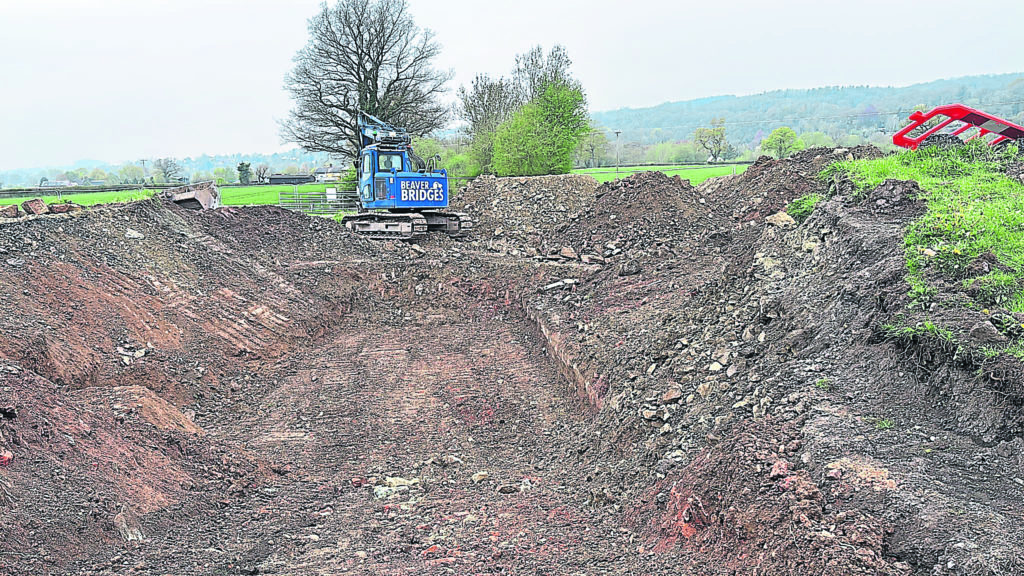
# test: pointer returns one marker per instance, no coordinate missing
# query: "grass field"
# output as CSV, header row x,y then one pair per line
x,y
231,196
249,195
695,175
87,199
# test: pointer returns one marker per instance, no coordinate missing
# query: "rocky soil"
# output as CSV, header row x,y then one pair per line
x,y
634,378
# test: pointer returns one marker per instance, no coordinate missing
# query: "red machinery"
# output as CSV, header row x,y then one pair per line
x,y
968,118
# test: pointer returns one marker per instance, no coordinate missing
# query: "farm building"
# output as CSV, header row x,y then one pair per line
x,y
328,173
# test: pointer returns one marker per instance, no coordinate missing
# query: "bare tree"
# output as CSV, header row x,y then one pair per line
x,y
488,103
168,168
484,106
592,146
534,72
363,55
262,173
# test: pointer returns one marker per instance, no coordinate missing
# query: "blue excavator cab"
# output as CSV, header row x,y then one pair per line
x,y
388,180
401,196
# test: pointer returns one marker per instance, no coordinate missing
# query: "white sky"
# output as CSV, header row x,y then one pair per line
x,y
119,80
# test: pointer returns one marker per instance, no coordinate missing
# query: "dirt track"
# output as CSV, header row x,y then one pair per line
x,y
639,373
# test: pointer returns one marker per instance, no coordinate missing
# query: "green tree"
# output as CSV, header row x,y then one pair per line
x,y
485,106
427,147
350,181
98,175
488,103
781,142
817,140
540,138
244,173
168,169
224,175
131,174
460,165
201,176
712,140
535,72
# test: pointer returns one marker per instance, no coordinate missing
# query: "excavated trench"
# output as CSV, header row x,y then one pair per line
x,y
252,391
637,378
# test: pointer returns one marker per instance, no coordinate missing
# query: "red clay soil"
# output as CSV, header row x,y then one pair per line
x,y
251,391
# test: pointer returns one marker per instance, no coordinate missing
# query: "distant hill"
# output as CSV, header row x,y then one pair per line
x,y
836,111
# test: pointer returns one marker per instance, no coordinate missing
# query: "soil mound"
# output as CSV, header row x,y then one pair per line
x,y
768,185
520,215
636,215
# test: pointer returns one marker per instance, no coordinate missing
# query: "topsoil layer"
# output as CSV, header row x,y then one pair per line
x,y
634,378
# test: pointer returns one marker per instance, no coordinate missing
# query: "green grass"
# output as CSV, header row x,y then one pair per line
x,y
973,209
250,195
884,424
87,199
230,195
823,384
695,175
802,207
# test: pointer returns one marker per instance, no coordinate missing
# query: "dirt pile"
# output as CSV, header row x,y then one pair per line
x,y
744,504
767,186
636,215
520,215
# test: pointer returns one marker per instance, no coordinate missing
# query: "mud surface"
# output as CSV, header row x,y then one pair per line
x,y
634,378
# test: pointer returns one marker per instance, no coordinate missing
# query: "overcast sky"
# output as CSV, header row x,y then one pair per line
x,y
119,80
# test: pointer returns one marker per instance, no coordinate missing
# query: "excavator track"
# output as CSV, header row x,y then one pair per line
x,y
387,226
408,225
455,224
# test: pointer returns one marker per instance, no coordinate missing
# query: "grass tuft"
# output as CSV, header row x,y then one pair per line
x,y
801,208
926,329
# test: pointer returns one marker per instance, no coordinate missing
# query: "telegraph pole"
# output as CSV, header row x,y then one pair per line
x,y
617,132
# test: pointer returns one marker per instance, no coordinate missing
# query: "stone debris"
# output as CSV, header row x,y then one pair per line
x,y
35,207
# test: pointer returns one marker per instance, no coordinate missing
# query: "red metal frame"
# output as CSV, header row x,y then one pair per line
x,y
971,118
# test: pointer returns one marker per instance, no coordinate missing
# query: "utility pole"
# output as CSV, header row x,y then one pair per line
x,y
617,132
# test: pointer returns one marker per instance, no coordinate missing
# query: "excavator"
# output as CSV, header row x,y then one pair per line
x,y
401,196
